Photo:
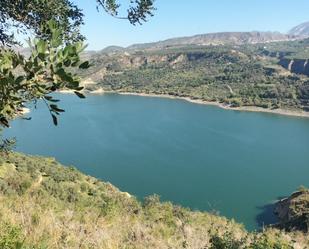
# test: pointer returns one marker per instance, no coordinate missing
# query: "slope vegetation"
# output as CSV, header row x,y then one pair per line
x,y
46,205
248,75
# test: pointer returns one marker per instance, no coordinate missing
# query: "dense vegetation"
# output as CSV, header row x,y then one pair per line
x,y
46,205
247,75
298,49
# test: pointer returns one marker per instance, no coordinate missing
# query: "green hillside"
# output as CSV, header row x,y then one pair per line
x,y
248,75
46,205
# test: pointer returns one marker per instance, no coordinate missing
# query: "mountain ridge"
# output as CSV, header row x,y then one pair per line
x,y
301,30
218,38
207,39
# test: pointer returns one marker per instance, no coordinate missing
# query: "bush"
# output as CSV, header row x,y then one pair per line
x,y
227,241
5,188
270,242
19,183
11,237
265,240
236,103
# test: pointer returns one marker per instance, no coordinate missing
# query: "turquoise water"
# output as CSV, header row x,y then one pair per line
x,y
202,157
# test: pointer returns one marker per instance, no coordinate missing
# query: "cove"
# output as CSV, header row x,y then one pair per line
x,y
198,156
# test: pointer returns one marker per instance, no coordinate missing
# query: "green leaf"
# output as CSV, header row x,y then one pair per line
x,y
19,79
41,56
55,120
80,95
64,75
49,98
67,63
55,108
41,47
84,65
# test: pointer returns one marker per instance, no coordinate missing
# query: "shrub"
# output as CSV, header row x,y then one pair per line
x,y
270,242
19,183
11,237
226,241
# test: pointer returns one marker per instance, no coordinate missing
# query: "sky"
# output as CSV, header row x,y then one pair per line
x,y
175,18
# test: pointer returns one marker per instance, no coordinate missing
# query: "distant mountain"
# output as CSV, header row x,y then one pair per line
x,y
112,49
223,38
209,39
300,30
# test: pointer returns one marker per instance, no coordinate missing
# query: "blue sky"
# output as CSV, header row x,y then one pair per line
x,y
175,18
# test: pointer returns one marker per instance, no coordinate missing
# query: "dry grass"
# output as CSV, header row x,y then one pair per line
x,y
101,216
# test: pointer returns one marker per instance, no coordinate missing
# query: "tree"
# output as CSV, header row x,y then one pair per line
x,y
55,52
29,15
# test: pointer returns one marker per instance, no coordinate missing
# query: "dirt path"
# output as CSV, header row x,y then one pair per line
x,y
230,88
36,184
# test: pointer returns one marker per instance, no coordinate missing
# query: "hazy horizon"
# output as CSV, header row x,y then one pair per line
x,y
187,19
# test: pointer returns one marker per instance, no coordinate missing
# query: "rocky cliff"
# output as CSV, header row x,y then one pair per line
x,y
299,66
293,212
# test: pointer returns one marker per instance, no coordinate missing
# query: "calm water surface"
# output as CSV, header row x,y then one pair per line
x,y
202,157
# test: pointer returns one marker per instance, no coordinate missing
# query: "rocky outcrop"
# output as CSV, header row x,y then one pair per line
x,y
298,66
293,212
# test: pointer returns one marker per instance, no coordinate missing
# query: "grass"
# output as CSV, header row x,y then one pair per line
x,y
46,205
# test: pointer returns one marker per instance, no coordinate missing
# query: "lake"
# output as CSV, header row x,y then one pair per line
x,y
199,156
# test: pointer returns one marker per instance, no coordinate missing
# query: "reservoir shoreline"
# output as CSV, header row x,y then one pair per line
x,y
285,112
201,158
